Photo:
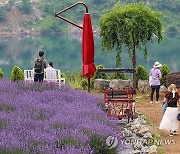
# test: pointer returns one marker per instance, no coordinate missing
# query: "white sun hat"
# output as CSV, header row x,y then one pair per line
x,y
157,64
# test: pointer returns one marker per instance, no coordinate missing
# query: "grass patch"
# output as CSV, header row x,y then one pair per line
x,y
99,145
6,107
3,123
63,142
161,150
156,137
148,121
5,151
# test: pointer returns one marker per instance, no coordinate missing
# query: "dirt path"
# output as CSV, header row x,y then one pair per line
x,y
154,112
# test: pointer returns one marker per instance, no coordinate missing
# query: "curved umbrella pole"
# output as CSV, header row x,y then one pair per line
x,y
93,69
78,3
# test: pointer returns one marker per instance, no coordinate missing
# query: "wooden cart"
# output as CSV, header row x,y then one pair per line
x,y
120,103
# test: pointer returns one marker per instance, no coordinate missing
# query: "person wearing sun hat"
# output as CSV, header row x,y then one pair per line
x,y
155,77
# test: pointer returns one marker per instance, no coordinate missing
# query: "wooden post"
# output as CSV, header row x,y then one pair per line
x,y
134,67
89,87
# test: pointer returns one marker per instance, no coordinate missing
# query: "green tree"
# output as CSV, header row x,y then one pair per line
x,y
1,73
17,74
9,5
133,25
2,14
26,6
141,73
164,71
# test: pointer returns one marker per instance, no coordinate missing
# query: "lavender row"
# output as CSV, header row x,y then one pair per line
x,y
45,119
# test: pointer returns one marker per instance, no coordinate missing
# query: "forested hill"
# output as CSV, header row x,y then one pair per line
x,y
26,16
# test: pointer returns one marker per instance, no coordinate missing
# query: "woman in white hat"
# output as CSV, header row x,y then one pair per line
x,y
155,77
169,121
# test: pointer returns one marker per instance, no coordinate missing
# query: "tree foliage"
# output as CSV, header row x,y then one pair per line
x,y
26,6
17,74
133,25
98,75
117,75
170,9
2,14
9,5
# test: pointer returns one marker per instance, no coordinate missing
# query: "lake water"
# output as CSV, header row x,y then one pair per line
x,y
65,52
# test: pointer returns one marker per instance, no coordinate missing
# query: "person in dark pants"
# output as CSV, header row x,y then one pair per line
x,y
155,77
39,66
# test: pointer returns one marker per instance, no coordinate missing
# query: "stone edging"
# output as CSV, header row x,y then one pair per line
x,y
138,135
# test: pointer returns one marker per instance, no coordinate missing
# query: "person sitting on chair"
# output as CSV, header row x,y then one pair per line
x,y
50,72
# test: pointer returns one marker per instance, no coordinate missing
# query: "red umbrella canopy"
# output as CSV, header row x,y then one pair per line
x,y
88,48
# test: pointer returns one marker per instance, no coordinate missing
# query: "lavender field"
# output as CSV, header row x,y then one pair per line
x,y
44,119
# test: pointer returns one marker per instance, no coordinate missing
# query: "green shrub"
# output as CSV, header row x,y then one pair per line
x,y
74,79
17,74
1,73
63,75
117,75
164,71
141,73
84,83
98,75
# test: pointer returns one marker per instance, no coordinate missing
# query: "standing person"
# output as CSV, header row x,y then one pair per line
x,y
155,77
40,64
169,121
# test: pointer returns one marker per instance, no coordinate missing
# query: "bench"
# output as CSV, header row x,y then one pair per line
x,y
49,76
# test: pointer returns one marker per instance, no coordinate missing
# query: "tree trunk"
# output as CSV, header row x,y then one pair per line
x,y
134,66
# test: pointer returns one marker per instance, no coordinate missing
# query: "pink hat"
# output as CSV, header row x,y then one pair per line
x,y
157,64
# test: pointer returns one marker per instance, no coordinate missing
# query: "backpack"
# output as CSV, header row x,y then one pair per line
x,y
38,66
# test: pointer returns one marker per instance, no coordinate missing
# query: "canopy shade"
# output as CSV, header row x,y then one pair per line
x,y
88,68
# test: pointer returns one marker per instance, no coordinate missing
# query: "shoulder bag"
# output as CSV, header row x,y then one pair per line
x,y
178,116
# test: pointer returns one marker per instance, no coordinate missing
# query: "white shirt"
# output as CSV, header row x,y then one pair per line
x,y
50,73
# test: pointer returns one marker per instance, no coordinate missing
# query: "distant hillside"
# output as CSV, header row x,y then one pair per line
x,y
14,21
23,17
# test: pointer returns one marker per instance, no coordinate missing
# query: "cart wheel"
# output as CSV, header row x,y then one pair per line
x,y
132,117
127,114
133,114
119,118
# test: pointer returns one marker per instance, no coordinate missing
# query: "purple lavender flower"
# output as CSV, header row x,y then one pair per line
x,y
45,119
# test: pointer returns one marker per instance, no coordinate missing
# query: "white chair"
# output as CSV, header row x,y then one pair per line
x,y
49,76
62,80
28,75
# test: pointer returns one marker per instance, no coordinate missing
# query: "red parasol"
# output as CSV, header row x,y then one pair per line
x,y
88,68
